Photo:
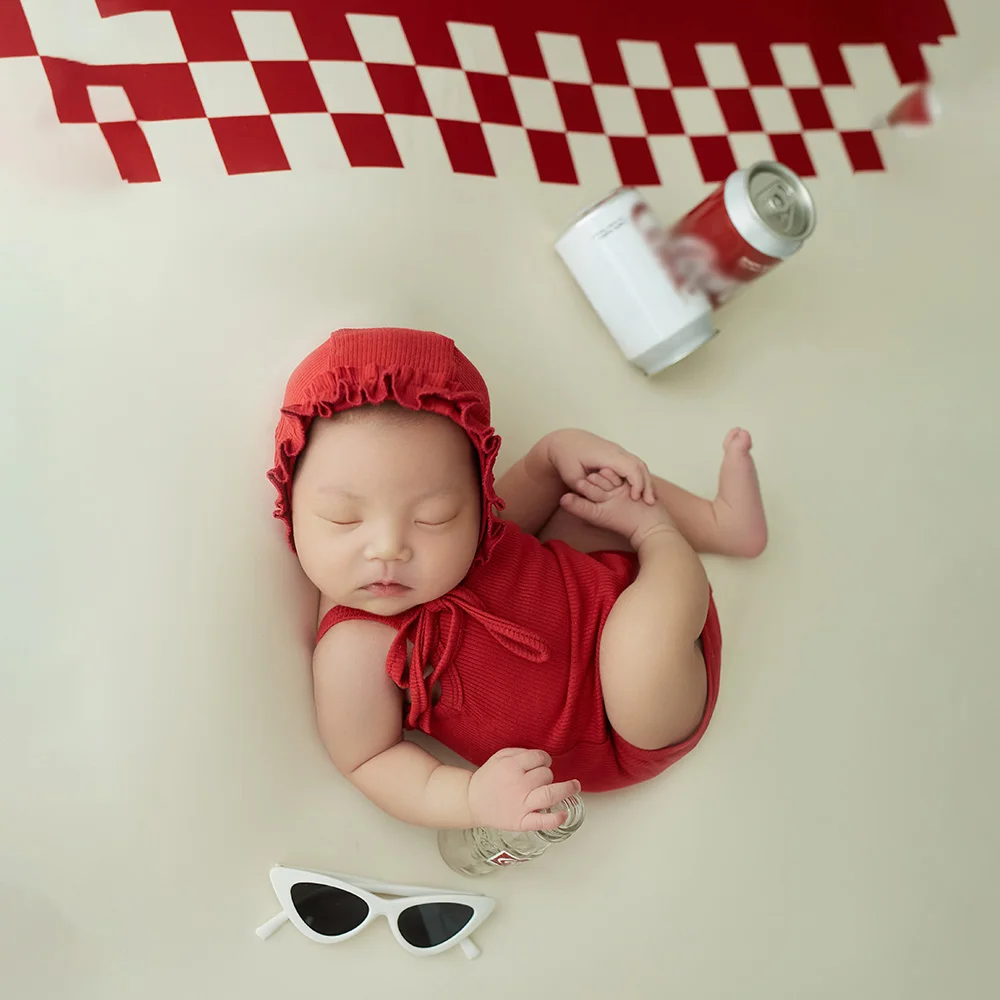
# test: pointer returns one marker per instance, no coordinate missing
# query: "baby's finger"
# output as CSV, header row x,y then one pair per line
x,y
644,481
538,778
551,795
578,506
637,483
543,821
528,760
599,479
589,491
612,477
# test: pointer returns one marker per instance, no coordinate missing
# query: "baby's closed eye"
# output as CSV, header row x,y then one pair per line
x,y
435,521
342,517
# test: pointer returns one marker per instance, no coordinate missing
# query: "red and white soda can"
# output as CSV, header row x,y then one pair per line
x,y
759,217
615,250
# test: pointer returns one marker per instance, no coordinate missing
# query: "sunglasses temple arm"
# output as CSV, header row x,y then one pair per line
x,y
471,949
266,930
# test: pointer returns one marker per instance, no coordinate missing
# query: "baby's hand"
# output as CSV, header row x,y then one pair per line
x,y
508,791
578,454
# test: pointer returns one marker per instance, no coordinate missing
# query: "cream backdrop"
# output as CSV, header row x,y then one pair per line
x,y
835,834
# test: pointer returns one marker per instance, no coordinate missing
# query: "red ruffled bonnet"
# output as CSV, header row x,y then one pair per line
x,y
418,370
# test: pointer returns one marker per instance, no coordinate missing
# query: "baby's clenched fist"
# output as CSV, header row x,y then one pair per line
x,y
511,790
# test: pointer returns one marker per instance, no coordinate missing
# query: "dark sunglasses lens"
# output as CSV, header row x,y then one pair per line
x,y
429,924
327,910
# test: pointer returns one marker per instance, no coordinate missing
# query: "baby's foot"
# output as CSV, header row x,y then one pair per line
x,y
600,502
739,509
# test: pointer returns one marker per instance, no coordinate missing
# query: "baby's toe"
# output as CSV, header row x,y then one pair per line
x,y
737,440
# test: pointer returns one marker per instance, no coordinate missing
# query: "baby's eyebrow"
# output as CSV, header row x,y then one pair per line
x,y
332,490
338,491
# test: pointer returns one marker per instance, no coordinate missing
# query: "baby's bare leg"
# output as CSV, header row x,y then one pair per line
x,y
732,524
652,671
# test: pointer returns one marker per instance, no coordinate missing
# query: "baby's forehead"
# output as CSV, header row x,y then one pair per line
x,y
387,421
389,412
429,441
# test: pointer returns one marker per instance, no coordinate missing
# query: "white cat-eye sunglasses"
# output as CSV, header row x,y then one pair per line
x,y
330,908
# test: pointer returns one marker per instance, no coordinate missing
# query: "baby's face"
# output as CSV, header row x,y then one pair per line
x,y
386,508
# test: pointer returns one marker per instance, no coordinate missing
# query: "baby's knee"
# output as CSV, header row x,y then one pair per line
x,y
656,704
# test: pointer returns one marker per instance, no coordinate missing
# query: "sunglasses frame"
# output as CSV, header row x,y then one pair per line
x,y
283,878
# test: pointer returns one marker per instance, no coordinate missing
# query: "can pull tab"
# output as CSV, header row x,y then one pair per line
x,y
778,203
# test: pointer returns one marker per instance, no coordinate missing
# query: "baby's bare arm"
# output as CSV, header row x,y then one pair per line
x,y
359,709
411,785
531,489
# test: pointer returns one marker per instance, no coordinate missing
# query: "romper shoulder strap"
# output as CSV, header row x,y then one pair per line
x,y
338,614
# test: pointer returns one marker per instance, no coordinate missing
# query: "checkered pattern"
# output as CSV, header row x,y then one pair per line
x,y
309,86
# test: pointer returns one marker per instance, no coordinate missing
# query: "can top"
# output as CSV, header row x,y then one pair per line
x,y
781,200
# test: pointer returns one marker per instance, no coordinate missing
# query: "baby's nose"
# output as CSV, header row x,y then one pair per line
x,y
388,555
388,546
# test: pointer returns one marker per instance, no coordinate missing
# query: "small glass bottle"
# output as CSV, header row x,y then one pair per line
x,y
483,850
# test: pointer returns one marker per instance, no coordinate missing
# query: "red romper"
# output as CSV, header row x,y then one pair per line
x,y
515,645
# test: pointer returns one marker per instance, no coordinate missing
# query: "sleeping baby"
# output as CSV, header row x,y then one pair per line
x,y
556,628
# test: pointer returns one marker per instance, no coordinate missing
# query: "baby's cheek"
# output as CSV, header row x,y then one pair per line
x,y
469,544
317,556
310,564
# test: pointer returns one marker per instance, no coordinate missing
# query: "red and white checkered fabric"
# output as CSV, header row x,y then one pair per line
x,y
321,83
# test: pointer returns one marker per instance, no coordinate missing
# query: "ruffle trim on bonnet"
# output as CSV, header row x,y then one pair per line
x,y
344,388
